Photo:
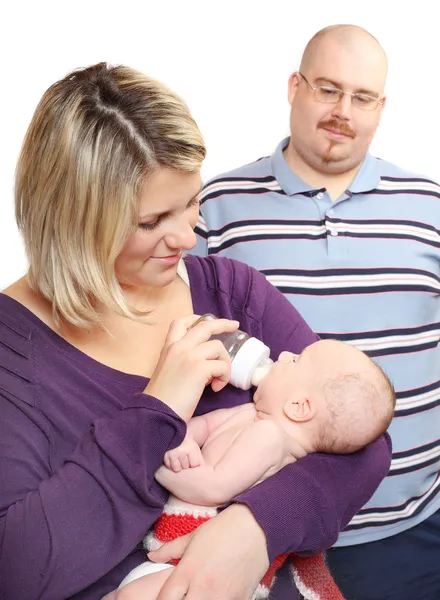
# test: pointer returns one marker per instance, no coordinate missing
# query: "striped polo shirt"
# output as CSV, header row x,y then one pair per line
x,y
364,269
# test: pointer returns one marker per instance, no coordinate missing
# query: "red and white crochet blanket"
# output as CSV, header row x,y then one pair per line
x,y
311,575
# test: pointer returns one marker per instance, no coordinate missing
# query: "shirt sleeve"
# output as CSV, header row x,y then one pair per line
x,y
303,508
63,527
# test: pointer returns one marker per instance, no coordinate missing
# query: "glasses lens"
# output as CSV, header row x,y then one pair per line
x,y
324,93
364,102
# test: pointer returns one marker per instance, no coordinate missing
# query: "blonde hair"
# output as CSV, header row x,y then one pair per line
x,y
95,136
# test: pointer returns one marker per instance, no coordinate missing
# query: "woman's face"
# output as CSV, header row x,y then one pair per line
x,y
168,212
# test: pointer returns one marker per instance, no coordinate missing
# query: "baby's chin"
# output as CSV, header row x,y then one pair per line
x,y
258,400
261,414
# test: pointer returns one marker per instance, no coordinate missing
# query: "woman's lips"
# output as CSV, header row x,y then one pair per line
x,y
170,259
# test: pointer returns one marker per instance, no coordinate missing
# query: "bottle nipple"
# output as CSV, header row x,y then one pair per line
x,y
261,371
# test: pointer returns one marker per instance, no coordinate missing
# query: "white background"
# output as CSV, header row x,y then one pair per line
x,y
230,61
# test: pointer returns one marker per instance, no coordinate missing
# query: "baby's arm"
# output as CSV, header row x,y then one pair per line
x,y
257,452
188,453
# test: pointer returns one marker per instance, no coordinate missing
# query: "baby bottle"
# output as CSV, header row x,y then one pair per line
x,y
250,360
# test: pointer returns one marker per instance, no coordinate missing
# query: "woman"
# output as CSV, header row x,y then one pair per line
x,y
99,369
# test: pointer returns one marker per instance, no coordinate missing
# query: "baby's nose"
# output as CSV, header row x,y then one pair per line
x,y
287,357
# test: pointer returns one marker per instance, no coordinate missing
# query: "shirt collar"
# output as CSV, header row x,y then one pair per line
x,y
367,178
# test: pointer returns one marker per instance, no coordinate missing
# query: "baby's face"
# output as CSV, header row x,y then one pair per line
x,y
305,373
290,372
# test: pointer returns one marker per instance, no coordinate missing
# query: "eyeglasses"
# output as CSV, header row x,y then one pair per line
x,y
332,95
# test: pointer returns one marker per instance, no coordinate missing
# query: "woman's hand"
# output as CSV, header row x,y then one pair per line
x,y
189,361
224,559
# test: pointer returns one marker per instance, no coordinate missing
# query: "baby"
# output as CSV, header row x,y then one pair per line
x,y
330,398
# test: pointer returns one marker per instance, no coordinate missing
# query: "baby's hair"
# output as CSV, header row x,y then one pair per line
x,y
360,408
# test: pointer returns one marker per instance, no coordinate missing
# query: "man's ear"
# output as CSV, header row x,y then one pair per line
x,y
300,409
292,86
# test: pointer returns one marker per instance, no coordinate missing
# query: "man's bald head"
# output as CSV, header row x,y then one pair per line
x,y
349,37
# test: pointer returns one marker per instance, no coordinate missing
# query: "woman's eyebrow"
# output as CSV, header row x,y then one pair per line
x,y
159,214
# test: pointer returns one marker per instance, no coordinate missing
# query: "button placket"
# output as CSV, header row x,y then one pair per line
x,y
336,240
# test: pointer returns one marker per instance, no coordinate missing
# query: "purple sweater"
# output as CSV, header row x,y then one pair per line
x,y
80,443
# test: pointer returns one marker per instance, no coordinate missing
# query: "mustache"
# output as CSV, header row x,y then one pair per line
x,y
337,126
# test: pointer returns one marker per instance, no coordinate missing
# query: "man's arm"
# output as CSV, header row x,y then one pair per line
x,y
256,449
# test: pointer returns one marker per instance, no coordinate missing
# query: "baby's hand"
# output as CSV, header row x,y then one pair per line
x,y
185,456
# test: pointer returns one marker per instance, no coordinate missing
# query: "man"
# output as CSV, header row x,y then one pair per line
x,y
354,243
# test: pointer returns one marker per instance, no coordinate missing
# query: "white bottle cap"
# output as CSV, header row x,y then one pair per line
x,y
246,361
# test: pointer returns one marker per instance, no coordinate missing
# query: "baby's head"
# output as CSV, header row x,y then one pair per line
x,y
331,397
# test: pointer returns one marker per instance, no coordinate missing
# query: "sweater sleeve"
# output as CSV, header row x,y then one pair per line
x,y
64,526
304,507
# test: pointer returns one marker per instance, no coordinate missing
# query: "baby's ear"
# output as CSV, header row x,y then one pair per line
x,y
300,408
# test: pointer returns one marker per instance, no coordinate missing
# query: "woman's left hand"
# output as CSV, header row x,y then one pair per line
x,y
223,559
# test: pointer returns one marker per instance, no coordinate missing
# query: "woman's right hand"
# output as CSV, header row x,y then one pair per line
x,y
189,361
224,558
